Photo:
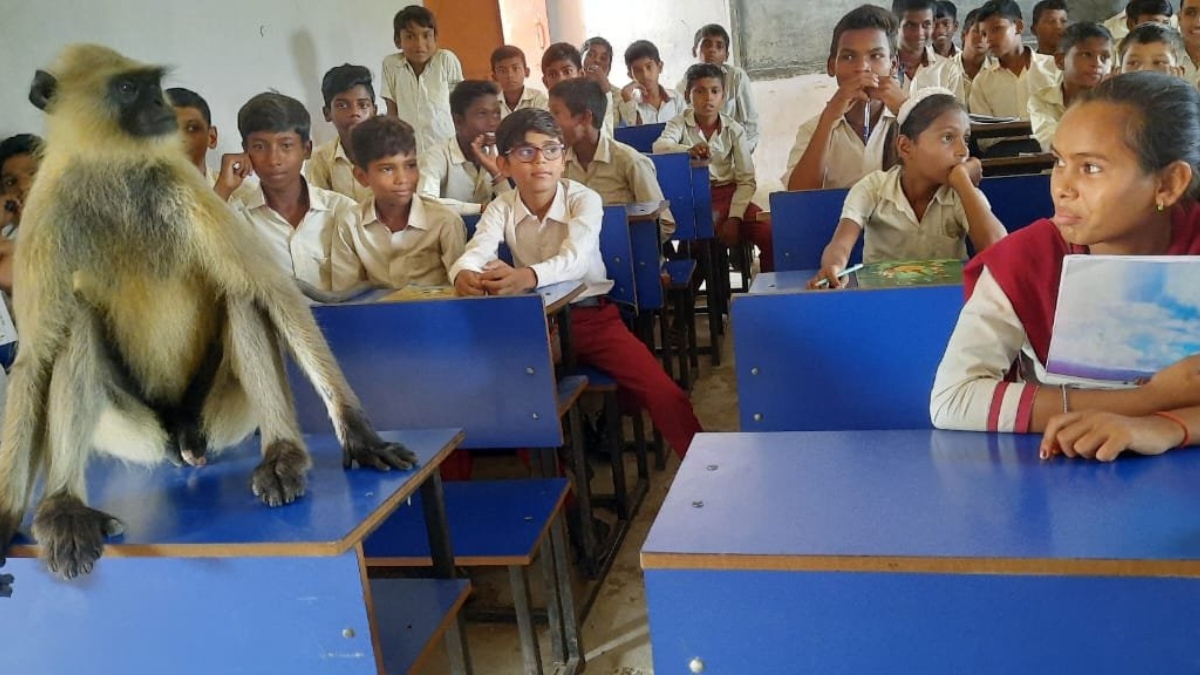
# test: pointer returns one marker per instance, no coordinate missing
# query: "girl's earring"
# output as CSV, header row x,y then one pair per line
x,y
1160,207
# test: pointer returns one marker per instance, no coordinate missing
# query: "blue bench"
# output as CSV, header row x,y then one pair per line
x,y
640,137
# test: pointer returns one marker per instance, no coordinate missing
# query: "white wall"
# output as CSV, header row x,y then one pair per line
x,y
227,50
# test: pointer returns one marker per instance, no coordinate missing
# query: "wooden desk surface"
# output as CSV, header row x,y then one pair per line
x,y
211,512
1002,129
925,501
1036,163
557,296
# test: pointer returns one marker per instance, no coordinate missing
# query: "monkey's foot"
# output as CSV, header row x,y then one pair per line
x,y
72,534
8,529
364,447
280,477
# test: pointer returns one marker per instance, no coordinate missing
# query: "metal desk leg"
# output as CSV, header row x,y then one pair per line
x,y
564,339
441,551
583,495
530,653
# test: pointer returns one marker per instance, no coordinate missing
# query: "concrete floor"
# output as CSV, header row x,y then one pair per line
x,y
616,633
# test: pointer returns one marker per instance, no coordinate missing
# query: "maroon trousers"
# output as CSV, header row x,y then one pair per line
x,y
751,230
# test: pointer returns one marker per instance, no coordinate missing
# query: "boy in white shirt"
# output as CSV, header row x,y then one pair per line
x,y
509,71
349,101
945,25
418,80
956,72
195,125
711,45
461,171
916,44
1189,28
400,238
552,227
297,220
1085,58
644,100
1004,84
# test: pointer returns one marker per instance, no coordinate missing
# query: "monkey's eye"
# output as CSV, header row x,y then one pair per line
x,y
126,87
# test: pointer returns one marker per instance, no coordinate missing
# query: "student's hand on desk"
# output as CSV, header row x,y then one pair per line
x,y
235,166
966,175
829,275
1103,436
468,283
1176,386
700,151
500,278
728,231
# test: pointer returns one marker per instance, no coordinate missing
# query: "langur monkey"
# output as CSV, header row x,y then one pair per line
x,y
151,317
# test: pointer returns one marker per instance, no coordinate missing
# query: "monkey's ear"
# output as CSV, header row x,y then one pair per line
x,y
42,90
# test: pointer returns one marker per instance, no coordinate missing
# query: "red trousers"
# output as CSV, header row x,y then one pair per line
x,y
603,341
751,230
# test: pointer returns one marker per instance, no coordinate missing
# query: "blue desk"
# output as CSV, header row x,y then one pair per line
x,y
206,579
923,552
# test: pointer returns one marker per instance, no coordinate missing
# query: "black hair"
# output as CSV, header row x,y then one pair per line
x,y
344,78
1047,6
466,92
414,14
641,49
1009,9
970,19
186,98
273,112
866,17
20,144
1164,124
1080,31
1149,33
711,30
380,137
514,127
581,95
700,71
945,9
561,51
593,41
906,6
926,113
505,52
1137,8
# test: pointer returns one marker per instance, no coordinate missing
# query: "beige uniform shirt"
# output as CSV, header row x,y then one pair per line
x,y
330,169
1046,108
635,112
420,254
423,102
729,160
449,177
621,175
948,73
848,159
996,91
530,98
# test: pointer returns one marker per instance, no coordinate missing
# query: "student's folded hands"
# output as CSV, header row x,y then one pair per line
x,y
500,278
1103,436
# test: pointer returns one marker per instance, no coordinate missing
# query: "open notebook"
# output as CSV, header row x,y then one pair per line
x,y
1120,319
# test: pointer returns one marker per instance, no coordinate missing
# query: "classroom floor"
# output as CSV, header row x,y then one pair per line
x,y
616,633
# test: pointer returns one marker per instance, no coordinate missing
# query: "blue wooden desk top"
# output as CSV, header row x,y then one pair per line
x,y
925,501
210,511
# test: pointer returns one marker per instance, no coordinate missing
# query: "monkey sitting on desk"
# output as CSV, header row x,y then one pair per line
x,y
151,317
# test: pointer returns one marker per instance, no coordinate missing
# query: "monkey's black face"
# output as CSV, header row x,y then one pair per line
x,y
142,108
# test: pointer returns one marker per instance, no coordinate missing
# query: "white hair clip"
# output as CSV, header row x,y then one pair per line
x,y
907,107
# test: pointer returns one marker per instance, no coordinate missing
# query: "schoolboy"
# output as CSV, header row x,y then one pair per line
x,y
417,81
461,171
18,167
956,72
617,172
297,220
1005,82
1153,46
711,45
945,26
704,132
1138,12
195,125
349,101
1189,28
400,237
1050,19
849,139
552,228
644,100
916,40
509,71
1085,59
597,65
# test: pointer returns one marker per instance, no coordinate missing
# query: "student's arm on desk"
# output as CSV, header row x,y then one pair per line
x,y
983,227
987,340
673,138
1103,436
860,203
582,244
482,249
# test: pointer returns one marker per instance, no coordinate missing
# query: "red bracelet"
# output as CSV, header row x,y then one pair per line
x,y
1187,435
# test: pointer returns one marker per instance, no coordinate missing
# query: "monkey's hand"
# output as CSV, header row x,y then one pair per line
x,y
281,477
8,530
72,534
364,447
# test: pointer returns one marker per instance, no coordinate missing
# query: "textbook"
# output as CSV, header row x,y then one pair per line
x,y
1121,319
897,273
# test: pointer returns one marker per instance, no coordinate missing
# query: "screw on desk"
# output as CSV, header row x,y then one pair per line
x,y
529,371
757,417
697,505
696,665
711,467
754,371
347,632
536,416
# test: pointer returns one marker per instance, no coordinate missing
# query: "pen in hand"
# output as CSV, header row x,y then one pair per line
x,y
824,283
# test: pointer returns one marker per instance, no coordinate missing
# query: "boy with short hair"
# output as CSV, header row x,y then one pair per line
x,y
509,71
704,132
400,237
1153,46
18,167
1050,19
552,228
349,101
1189,28
561,61
195,125
945,26
916,44
956,72
711,45
1005,82
461,171
597,65
644,100
1138,12
417,81
850,138
296,220
1085,59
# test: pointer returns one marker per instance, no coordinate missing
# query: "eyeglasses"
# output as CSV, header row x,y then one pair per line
x,y
526,153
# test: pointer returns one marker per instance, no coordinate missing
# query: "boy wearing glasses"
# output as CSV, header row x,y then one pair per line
x,y
552,227
349,101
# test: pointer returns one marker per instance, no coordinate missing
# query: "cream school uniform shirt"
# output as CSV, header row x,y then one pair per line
x,y
848,159
637,112
530,98
330,169
423,102
420,254
1191,72
1046,108
928,61
891,229
739,102
998,92
620,175
449,177
729,149
303,251
563,246
948,73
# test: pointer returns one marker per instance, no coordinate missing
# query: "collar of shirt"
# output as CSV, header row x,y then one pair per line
x,y
893,191
557,212
993,63
886,114
689,120
417,219
456,153
404,63
316,198
339,152
603,153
